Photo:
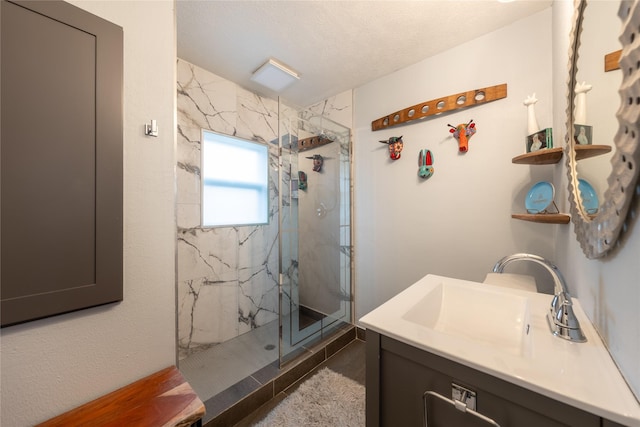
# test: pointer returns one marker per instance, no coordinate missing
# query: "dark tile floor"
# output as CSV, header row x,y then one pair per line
x,y
236,402
349,361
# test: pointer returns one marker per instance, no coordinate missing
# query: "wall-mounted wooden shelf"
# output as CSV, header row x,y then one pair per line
x,y
543,157
553,155
547,157
312,142
441,105
557,218
586,151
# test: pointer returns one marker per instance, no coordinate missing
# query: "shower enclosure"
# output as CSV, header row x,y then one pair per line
x,y
315,229
250,298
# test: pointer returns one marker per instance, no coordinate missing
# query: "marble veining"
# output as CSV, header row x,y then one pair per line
x,y
228,276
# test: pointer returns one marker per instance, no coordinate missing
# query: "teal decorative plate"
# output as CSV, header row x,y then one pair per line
x,y
539,197
589,197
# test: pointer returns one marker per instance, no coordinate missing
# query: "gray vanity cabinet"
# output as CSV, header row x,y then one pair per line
x,y
398,375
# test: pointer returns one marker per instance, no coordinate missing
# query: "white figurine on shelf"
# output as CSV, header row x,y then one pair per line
x,y
581,103
532,123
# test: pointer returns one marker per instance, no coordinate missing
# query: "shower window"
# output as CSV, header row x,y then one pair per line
x,y
235,188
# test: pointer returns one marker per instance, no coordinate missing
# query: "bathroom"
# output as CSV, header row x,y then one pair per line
x,y
455,224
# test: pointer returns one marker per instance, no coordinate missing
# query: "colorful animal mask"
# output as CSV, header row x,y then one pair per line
x,y
318,161
463,132
302,180
395,146
425,161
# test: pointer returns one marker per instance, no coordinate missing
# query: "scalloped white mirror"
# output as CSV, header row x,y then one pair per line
x,y
598,232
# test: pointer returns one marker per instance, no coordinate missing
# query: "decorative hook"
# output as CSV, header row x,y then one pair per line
x,y
151,129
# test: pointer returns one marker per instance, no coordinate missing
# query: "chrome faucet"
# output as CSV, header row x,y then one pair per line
x,y
561,318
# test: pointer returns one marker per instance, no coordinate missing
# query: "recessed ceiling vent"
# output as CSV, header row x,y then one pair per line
x,y
275,75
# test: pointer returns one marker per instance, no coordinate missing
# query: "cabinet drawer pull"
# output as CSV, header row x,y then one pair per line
x,y
456,404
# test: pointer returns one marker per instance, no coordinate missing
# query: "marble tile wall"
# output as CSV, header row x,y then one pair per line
x,y
227,276
338,108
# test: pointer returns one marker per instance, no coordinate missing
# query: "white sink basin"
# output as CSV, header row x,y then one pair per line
x,y
475,312
504,332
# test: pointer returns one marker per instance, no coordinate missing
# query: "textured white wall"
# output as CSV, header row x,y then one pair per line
x,y
608,289
458,223
52,365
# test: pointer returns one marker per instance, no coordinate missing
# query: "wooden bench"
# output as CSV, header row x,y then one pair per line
x,y
161,399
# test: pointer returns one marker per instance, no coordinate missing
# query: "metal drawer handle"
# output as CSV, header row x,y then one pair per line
x,y
460,406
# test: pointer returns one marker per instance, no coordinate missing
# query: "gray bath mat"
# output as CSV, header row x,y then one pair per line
x,y
325,399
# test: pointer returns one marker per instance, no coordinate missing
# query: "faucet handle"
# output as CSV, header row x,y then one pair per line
x,y
559,299
561,318
565,325
565,317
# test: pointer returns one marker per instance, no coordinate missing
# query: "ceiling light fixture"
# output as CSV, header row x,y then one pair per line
x,y
274,75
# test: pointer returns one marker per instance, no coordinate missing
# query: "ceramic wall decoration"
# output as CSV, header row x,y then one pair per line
x,y
537,139
581,130
318,161
425,163
302,180
532,122
581,102
463,132
540,197
395,146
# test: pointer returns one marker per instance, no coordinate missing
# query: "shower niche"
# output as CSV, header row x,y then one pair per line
x,y
315,229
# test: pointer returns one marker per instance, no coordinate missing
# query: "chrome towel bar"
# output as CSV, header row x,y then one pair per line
x,y
460,405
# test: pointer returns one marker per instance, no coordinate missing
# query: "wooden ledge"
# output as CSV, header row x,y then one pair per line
x,y
541,157
161,399
544,218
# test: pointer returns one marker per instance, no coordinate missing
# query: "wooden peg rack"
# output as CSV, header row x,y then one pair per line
x,y
441,105
313,142
612,61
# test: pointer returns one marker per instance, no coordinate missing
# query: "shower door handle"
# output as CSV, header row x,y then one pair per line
x,y
280,282
457,404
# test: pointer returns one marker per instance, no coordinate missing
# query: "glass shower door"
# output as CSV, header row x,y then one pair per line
x,y
315,230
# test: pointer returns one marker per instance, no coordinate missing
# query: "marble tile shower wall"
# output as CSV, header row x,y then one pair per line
x,y
227,277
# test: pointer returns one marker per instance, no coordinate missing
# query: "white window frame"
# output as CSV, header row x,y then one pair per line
x,y
247,176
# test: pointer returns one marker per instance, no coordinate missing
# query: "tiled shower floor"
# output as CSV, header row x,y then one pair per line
x,y
271,383
211,371
244,371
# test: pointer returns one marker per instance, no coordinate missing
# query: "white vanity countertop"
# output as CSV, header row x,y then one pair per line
x,y
582,375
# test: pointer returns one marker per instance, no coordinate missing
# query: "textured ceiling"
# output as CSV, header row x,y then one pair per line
x,y
333,45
